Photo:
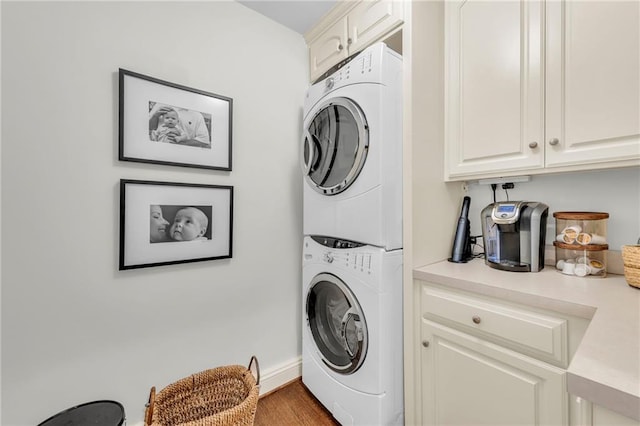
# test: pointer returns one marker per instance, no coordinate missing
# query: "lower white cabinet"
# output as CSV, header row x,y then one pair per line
x,y
585,413
487,361
600,416
467,380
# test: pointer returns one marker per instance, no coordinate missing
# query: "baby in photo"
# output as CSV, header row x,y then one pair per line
x,y
190,224
169,130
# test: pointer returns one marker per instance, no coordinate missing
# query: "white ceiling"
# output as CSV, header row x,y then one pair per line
x,y
299,15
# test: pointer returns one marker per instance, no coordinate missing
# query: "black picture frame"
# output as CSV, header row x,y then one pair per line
x,y
170,124
202,215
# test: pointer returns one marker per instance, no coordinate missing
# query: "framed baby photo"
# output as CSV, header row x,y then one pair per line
x,y
166,123
165,223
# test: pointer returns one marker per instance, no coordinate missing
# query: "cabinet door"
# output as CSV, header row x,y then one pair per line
x,y
603,417
593,82
494,89
328,49
469,381
371,20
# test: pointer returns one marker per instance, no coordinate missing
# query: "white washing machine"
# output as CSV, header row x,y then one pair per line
x,y
352,330
352,152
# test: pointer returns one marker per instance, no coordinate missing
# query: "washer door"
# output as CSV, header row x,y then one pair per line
x,y
336,142
337,324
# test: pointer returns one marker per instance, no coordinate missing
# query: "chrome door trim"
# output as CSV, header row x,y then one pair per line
x,y
360,155
308,140
358,356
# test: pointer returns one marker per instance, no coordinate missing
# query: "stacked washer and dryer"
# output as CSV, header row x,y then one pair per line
x,y
352,353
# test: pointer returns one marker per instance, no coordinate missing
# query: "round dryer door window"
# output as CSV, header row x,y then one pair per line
x,y
336,142
337,324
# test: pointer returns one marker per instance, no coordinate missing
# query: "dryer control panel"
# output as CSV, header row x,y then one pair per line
x,y
355,70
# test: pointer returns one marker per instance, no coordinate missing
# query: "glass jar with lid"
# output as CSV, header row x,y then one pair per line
x,y
581,243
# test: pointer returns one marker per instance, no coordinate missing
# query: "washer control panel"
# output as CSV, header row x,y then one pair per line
x,y
335,242
341,253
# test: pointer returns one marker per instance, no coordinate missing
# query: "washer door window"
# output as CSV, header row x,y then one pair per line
x,y
337,324
336,143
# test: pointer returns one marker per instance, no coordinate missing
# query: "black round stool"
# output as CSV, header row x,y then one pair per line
x,y
98,413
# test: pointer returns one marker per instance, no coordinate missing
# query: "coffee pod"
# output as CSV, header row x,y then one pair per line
x,y
598,239
569,268
572,231
596,266
582,270
583,238
582,260
560,264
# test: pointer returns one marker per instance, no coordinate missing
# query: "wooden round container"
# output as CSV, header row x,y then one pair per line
x,y
581,243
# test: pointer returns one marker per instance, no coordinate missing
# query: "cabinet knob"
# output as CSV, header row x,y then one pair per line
x,y
533,144
554,142
425,343
349,41
340,47
476,319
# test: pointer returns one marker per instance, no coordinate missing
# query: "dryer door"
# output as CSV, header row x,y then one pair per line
x,y
337,324
336,142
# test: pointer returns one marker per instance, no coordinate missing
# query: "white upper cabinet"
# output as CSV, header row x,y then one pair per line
x,y
348,29
593,82
536,87
370,20
494,86
329,49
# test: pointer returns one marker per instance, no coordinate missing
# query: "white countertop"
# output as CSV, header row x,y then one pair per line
x,y
606,366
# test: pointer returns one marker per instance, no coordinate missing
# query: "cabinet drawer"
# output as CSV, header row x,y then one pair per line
x,y
542,335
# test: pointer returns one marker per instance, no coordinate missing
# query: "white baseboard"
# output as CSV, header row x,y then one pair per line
x,y
279,375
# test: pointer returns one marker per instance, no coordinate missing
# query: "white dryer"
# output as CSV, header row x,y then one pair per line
x,y
352,330
352,151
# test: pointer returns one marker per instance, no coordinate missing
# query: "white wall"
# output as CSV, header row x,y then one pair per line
x,y
616,192
74,328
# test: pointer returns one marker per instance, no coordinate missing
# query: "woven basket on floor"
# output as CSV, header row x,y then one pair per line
x,y
223,396
631,260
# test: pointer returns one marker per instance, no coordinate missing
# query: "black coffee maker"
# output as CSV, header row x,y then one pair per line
x,y
514,235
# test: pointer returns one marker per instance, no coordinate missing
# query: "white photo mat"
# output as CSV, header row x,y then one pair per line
x,y
138,92
136,197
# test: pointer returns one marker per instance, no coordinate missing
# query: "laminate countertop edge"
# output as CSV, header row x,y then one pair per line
x,y
606,366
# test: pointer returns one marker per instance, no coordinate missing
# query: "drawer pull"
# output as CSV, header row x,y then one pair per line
x,y
476,319
425,343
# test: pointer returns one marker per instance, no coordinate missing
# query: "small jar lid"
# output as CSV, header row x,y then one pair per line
x,y
581,215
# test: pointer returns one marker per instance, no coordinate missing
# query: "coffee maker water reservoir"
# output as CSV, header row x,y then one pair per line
x,y
514,235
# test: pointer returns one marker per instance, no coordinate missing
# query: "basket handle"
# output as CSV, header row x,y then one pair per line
x,y
254,359
148,412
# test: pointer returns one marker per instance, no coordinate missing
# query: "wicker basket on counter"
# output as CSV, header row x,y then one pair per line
x,y
631,260
223,396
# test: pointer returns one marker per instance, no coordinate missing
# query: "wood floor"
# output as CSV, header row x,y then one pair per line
x,y
292,405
